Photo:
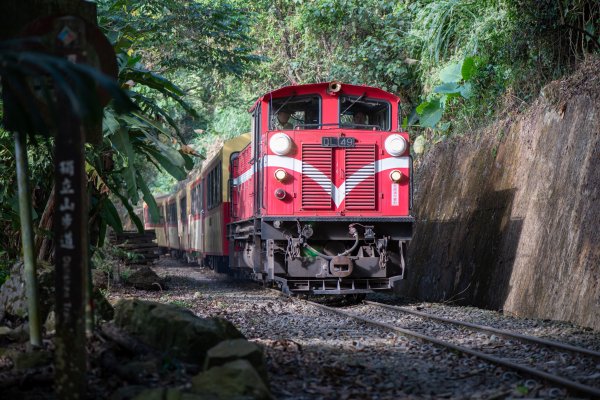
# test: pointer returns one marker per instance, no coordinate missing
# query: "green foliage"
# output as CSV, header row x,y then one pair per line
x,y
5,265
455,83
181,303
512,46
40,172
125,274
200,35
146,134
196,46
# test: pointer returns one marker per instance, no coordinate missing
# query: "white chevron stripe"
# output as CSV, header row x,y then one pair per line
x,y
243,177
338,194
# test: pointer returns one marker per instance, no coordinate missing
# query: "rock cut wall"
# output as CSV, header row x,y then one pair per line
x,y
509,216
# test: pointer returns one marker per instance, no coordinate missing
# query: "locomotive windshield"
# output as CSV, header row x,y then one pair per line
x,y
364,113
295,112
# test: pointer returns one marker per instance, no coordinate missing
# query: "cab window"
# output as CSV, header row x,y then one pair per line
x,y
358,112
295,112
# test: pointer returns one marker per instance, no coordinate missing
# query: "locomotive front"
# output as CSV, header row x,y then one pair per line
x,y
321,198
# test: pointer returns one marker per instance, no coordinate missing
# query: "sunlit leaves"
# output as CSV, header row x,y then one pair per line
x,y
454,85
430,112
149,199
452,73
467,68
121,142
200,35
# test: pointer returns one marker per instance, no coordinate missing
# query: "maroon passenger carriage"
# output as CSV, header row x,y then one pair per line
x,y
321,203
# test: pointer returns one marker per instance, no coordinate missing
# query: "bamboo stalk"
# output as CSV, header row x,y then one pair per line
x,y
35,331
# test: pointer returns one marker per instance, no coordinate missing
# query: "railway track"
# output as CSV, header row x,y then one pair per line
x,y
514,352
495,331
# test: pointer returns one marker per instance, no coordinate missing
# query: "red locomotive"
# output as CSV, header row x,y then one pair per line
x,y
320,197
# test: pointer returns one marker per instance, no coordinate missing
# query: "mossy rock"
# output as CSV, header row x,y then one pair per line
x,y
173,330
234,380
29,359
237,349
146,279
13,295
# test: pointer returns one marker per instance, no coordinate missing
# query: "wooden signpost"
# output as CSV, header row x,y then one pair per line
x,y
71,37
70,225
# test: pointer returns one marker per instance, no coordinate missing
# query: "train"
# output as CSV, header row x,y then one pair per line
x,y
317,198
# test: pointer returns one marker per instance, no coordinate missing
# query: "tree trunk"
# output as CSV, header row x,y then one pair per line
x,y
43,243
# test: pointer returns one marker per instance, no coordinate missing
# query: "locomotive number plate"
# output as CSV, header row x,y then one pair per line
x,y
330,141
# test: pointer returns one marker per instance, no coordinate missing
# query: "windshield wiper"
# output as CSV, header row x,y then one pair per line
x,y
353,103
284,103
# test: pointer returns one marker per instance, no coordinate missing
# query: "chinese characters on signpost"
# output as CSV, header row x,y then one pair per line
x,y
70,223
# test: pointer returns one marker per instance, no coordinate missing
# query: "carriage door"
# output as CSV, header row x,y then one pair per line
x,y
201,201
257,161
234,191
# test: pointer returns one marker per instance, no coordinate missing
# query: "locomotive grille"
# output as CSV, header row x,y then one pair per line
x,y
360,177
316,176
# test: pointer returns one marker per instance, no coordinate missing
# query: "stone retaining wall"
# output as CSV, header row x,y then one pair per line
x,y
509,216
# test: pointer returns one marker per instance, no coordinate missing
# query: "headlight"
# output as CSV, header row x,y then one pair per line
x,y
280,144
395,176
280,175
395,145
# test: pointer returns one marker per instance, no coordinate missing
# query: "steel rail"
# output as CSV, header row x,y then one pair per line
x,y
489,329
574,386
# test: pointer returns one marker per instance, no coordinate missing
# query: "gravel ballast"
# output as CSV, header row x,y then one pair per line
x,y
314,354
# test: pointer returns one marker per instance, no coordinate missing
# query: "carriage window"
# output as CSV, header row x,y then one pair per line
x,y
213,187
302,112
182,210
196,199
148,216
172,213
364,113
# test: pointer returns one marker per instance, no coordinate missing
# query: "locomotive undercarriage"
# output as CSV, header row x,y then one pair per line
x,y
342,256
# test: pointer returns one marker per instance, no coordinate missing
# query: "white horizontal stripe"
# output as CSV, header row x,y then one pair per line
x,y
391,162
338,194
243,177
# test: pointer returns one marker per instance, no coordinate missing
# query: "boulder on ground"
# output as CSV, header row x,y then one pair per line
x,y
145,279
172,329
13,294
237,349
233,380
19,333
31,358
